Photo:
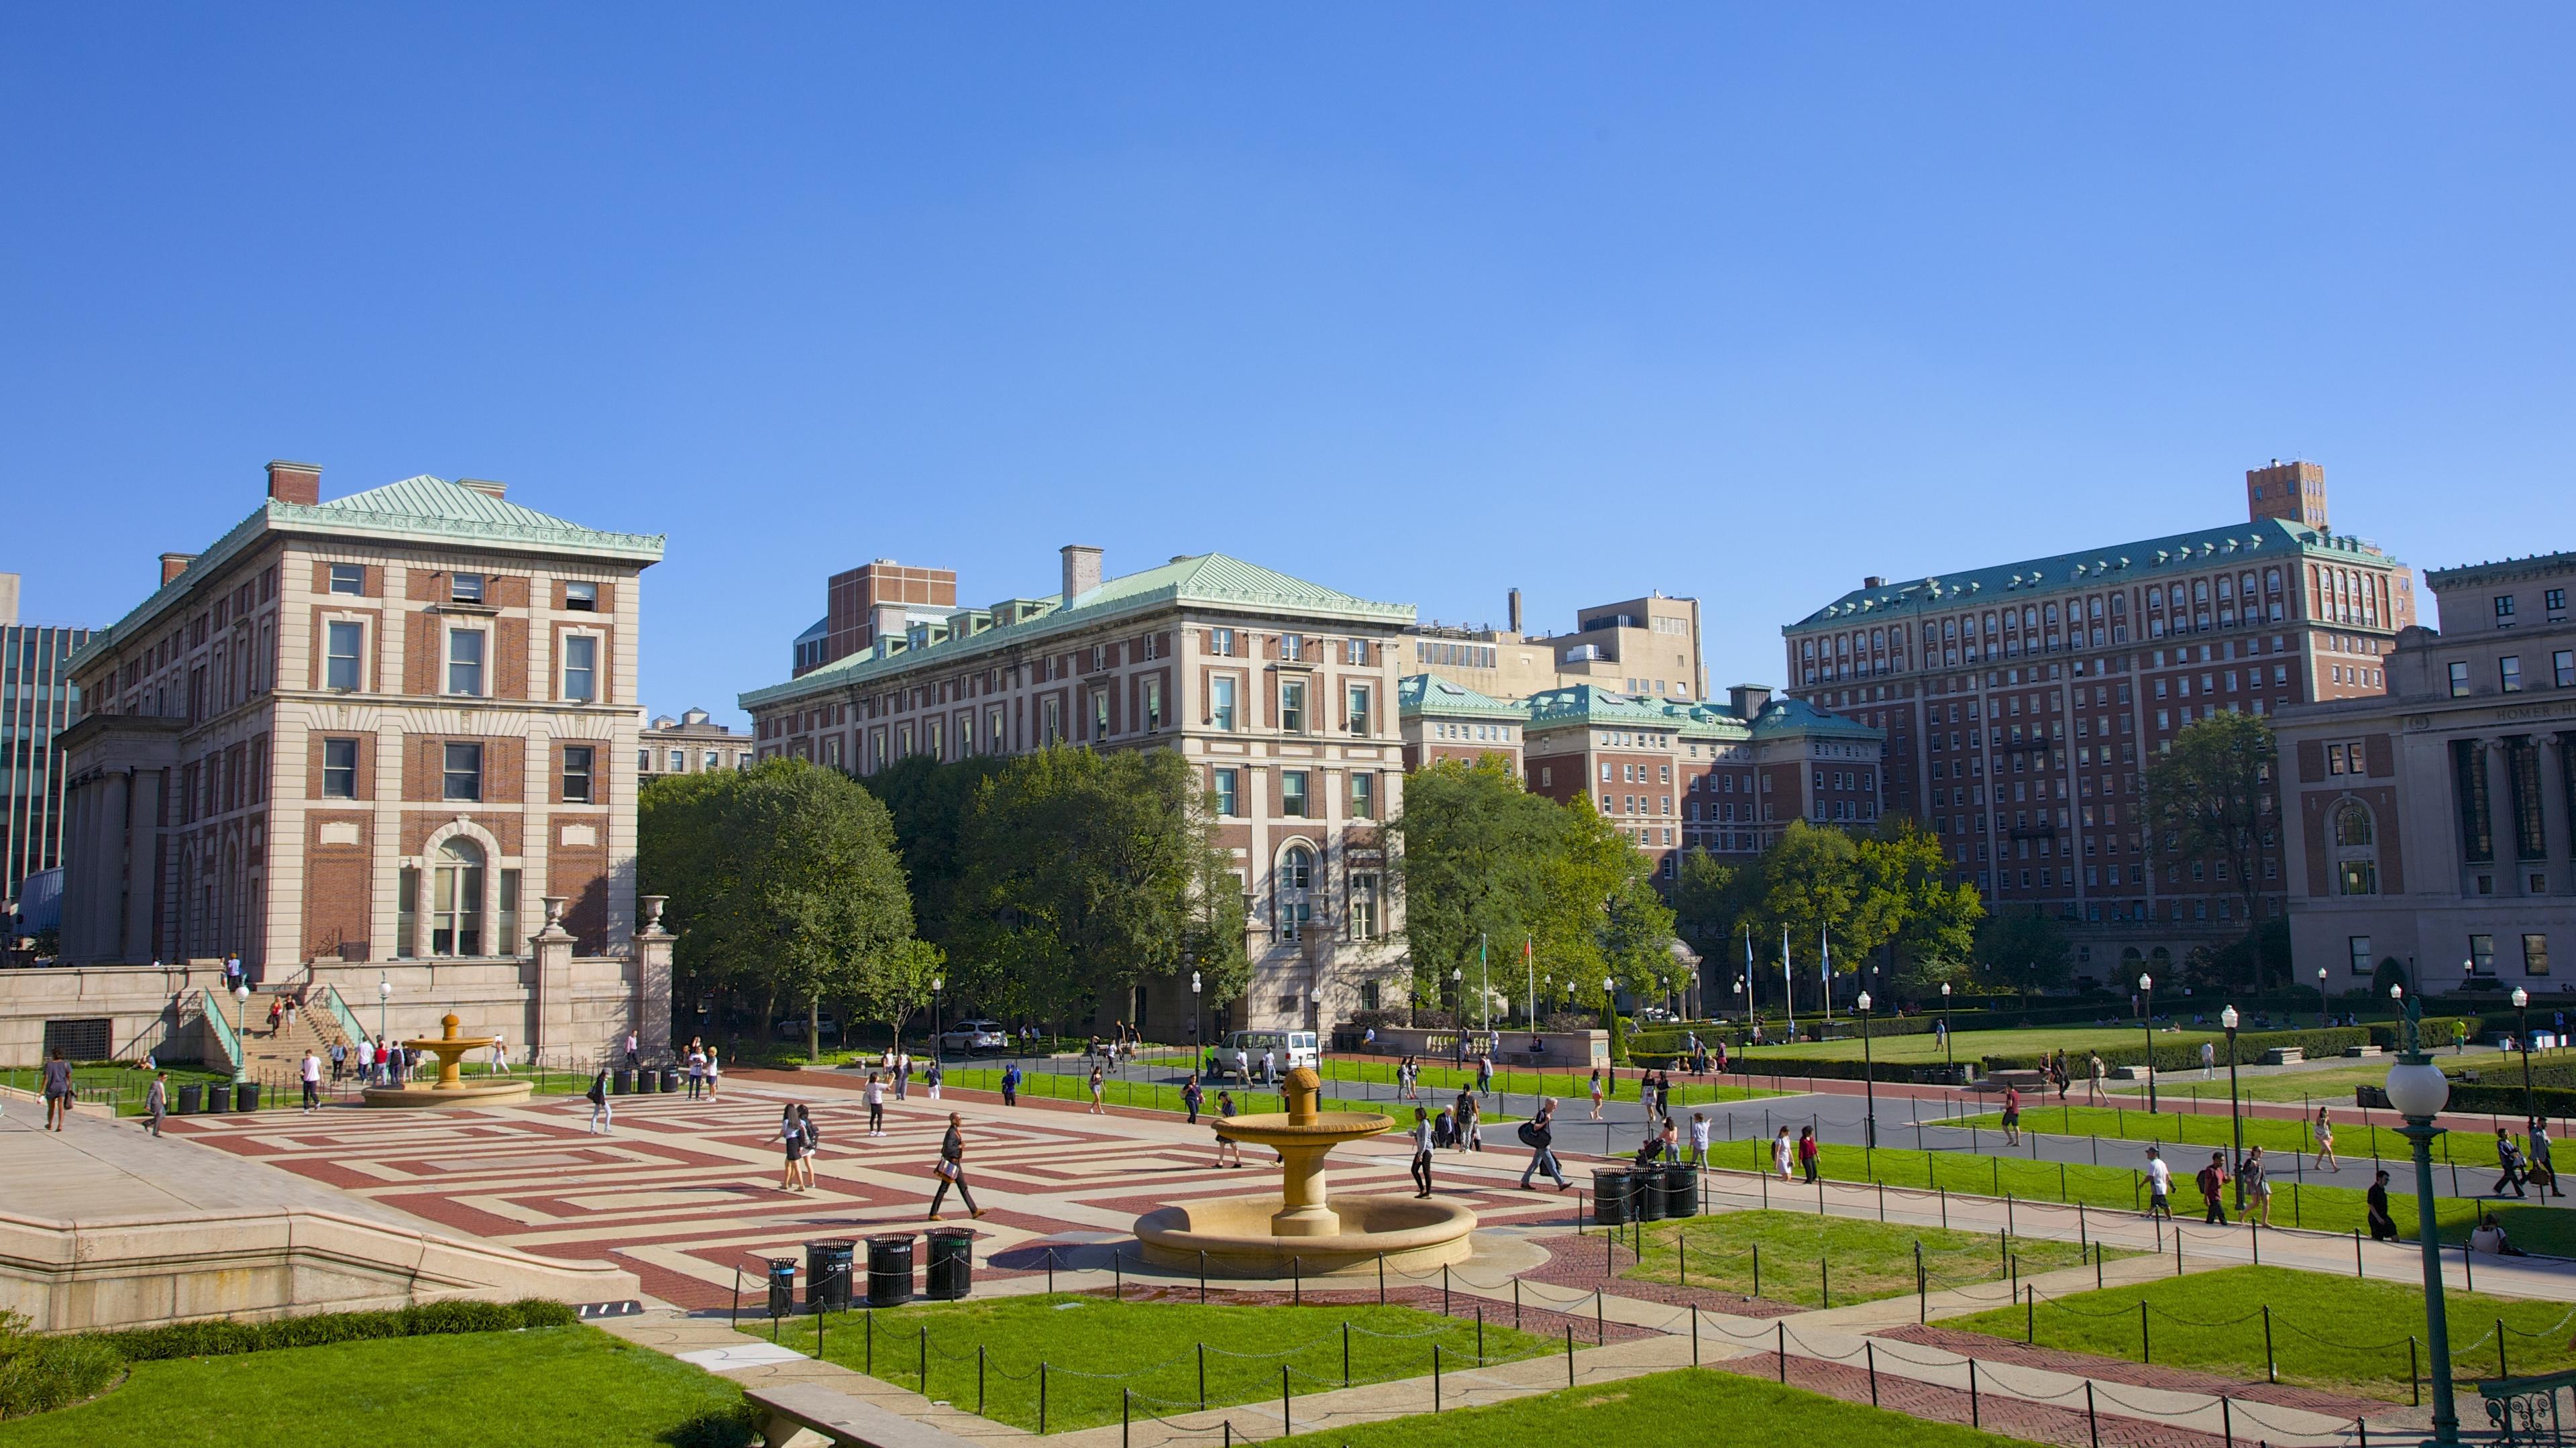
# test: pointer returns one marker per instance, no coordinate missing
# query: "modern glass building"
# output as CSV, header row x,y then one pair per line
x,y
36,702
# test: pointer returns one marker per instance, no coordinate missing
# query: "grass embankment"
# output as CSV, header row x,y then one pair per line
x,y
2329,1209
1826,1261
554,1387
2353,1144
1095,1350
1660,1408
2345,1333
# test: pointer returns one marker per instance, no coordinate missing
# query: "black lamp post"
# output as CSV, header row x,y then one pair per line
x,y
1946,1060
2418,1091
938,1045
1194,1018
2522,1038
1868,1078
2147,1018
2235,1124
2325,1011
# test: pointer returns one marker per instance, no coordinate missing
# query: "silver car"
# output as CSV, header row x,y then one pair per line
x,y
969,1037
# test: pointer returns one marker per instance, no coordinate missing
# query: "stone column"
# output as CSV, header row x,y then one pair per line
x,y
652,1008
550,1021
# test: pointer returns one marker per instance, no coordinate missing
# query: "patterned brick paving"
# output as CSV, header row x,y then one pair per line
x,y
2145,1375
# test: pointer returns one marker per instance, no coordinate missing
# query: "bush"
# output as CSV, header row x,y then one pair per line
x,y
425,1319
39,1374
2498,1099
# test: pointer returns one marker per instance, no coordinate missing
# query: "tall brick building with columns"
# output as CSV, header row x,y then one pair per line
x,y
1281,694
2021,701
382,730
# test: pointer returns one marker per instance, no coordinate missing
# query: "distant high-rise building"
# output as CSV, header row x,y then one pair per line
x,y
1648,647
36,701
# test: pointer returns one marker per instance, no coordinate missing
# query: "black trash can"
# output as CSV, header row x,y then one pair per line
x,y
1610,1192
622,1083
670,1079
246,1096
1681,1191
782,1286
1646,1194
827,1276
192,1098
890,1270
952,1264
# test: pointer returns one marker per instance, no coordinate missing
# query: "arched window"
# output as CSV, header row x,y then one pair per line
x,y
2352,825
456,919
1296,879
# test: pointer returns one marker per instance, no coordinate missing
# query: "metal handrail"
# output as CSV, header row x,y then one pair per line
x,y
210,1005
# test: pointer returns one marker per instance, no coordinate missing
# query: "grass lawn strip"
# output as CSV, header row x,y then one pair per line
x,y
1657,1409
1924,1048
1801,1254
552,1387
1564,1085
2343,1333
1095,1350
1156,1096
2353,1144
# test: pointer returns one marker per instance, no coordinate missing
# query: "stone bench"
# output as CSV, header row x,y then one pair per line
x,y
2132,1073
2022,1080
2285,1056
845,1420
2357,1052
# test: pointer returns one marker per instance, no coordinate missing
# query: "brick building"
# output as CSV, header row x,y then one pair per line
x,y
382,728
2435,824
694,743
1649,647
1442,720
1282,693
2019,701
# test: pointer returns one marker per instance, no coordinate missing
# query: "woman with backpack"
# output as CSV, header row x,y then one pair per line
x,y
791,1139
601,1118
1538,1134
811,1138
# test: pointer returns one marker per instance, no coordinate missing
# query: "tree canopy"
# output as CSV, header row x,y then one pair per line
x,y
1886,888
2209,801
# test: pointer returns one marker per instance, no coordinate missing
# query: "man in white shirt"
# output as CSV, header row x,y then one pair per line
x,y
500,1053
366,1060
312,1080
876,1104
1699,1138
2159,1185
1242,1065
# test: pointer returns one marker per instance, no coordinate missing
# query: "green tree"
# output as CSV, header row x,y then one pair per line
x,y
931,803
896,983
2025,949
2209,801
1908,903
1470,843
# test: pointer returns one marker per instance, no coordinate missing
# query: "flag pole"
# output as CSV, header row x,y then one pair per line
x,y
1825,968
1788,984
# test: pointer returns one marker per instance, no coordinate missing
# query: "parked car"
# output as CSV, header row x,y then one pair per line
x,y
792,1028
969,1037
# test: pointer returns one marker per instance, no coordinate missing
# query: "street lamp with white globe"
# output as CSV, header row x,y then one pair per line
x,y
241,1033
2325,1008
1868,1080
2227,1020
2522,1038
2147,1018
2417,1091
1946,1061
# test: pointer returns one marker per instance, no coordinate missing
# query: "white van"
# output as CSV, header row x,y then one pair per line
x,y
1289,1049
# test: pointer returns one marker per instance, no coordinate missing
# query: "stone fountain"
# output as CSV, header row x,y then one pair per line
x,y
1300,1231
451,1088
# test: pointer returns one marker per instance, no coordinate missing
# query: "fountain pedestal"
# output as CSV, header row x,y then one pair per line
x,y
451,1088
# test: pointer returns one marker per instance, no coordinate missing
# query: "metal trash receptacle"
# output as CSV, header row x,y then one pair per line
x,y
622,1082
951,1275
192,1098
827,1275
1680,1191
246,1096
670,1079
1610,1193
890,1270
1646,1194
782,1286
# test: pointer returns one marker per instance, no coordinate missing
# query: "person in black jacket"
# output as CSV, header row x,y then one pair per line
x,y
2383,1227
1539,1136
952,1172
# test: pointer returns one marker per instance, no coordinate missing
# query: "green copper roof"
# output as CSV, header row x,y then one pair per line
x,y
416,510
1588,706
1431,696
2264,540
1203,581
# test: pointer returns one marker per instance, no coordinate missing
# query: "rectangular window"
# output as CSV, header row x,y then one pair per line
x,y
1229,803
341,665
2469,783
1153,703
1221,641
581,668
2481,955
2460,680
1364,906
581,597
339,769
2509,673
465,588
1356,711
509,934
2563,667
576,774
1051,717
1100,713
1292,705
2535,955
462,772
1363,795
406,912
1292,793
349,578
2504,605
1221,703
2555,600
465,662
1292,647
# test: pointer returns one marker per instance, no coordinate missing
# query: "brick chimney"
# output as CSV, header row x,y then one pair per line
x,y
1512,610
295,483
174,564
1081,571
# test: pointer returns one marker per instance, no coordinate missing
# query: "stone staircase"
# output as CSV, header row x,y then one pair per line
x,y
279,1055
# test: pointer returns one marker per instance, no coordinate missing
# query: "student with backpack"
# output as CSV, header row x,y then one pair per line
x,y
2212,1180
1011,1084
1539,1136
813,1139
602,1120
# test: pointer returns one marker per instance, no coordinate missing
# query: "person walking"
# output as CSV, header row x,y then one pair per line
x,y
1699,1138
58,1090
156,1102
1810,1154
1595,1088
2093,1078
366,1055
1011,1084
1099,1091
1783,1152
2542,1169
715,1072
791,1140
934,1078
2159,1186
2212,1180
2012,1116
902,1074
813,1139
1191,1096
2509,1157
602,1119
1242,1065
2325,1142
1539,1135
697,1071
310,1073
2258,1187
952,1171
1421,1152
1269,1065
2208,1061
876,1104
339,1061
2383,1227
1484,1074
1225,1145
500,1050
634,1057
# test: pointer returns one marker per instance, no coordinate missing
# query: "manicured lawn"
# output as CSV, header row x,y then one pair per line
x,y
1801,1255
1095,1349
567,1386
2326,1083
1924,1049
2338,1332
1565,1085
2353,1144
1659,1409
1160,1096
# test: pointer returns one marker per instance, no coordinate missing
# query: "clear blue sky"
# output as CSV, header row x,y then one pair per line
x,y
1419,302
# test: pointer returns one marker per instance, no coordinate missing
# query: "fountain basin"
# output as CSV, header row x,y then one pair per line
x,y
1411,1233
451,1088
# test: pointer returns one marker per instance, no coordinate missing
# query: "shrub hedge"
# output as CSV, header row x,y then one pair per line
x,y
425,1319
39,1374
